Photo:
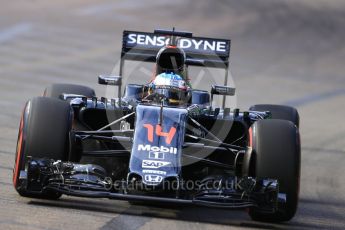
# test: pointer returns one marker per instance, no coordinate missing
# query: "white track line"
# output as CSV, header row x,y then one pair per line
x,y
96,9
10,33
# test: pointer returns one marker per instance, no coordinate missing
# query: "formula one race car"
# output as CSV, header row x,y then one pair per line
x,y
161,142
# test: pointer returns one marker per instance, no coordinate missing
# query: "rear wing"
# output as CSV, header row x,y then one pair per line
x,y
200,51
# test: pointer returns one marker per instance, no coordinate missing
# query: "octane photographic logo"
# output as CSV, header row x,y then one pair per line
x,y
156,177
200,77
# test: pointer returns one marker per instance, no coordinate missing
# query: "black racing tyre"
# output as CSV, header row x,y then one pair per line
x,y
43,133
282,112
55,90
277,155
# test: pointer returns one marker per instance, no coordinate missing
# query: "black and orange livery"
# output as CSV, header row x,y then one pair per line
x,y
138,147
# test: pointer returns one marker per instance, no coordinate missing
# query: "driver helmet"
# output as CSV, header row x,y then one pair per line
x,y
172,86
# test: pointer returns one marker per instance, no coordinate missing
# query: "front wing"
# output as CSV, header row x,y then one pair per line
x,y
42,175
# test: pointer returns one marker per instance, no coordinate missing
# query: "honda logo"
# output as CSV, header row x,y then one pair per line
x,y
153,178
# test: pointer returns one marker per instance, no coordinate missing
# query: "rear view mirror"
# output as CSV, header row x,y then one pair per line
x,y
109,80
112,80
223,90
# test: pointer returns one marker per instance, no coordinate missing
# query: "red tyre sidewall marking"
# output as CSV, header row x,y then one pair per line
x,y
250,137
250,144
19,152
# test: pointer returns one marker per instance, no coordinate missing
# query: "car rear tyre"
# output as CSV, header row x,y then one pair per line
x,y
56,90
282,112
277,155
43,133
